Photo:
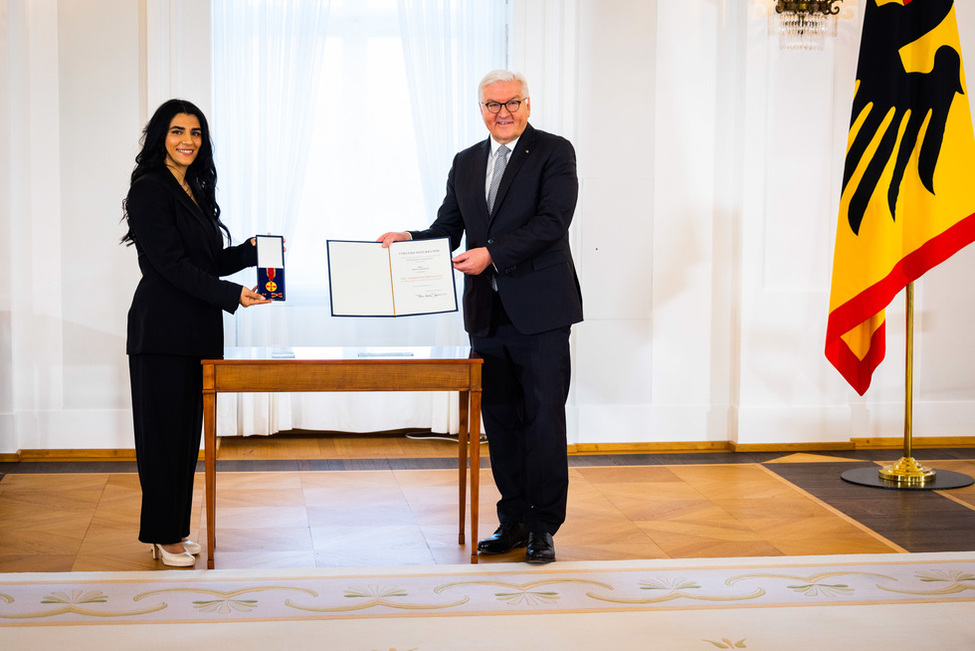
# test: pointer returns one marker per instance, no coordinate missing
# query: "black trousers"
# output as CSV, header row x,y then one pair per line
x,y
167,410
525,383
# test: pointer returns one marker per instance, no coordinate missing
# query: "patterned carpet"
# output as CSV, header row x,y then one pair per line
x,y
922,601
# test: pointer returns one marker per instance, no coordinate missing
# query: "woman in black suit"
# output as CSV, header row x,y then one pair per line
x,y
175,319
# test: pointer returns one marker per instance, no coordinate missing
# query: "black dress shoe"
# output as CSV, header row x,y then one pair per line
x,y
504,539
541,547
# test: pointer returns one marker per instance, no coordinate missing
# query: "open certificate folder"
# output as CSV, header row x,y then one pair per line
x,y
408,278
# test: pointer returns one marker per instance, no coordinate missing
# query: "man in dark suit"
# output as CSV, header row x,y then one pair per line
x,y
514,195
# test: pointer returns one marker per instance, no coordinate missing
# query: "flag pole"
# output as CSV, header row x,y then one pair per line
x,y
908,470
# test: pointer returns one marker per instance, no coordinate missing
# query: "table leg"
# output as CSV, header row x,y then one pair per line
x,y
474,421
210,464
462,461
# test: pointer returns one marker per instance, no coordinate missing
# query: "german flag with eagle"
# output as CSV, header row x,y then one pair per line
x,y
908,200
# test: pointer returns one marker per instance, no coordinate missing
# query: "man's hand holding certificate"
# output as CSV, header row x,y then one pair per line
x,y
407,278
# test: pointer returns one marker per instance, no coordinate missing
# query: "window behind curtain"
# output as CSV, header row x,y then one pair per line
x,y
363,178
362,175
315,110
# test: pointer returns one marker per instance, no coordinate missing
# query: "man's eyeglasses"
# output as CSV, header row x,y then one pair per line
x,y
495,107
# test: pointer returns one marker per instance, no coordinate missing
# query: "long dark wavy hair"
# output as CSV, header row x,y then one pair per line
x,y
201,175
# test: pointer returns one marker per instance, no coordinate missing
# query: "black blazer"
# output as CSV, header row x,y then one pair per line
x,y
176,309
527,234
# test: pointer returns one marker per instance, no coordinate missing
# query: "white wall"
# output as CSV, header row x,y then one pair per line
x,y
710,164
795,124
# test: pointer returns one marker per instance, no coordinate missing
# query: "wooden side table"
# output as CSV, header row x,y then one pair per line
x,y
247,370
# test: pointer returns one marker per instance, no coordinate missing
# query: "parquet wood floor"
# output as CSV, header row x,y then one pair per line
x,y
369,501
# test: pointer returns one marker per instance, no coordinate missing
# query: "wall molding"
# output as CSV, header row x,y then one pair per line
x,y
659,447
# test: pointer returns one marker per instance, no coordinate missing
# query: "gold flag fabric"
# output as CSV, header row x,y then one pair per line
x,y
908,200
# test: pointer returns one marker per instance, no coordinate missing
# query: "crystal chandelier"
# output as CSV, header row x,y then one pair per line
x,y
804,25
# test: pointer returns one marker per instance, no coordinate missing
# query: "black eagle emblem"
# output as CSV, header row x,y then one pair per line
x,y
896,100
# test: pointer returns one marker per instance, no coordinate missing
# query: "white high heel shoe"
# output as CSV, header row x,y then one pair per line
x,y
173,560
192,547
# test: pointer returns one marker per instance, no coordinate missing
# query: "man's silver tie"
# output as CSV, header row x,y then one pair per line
x,y
500,162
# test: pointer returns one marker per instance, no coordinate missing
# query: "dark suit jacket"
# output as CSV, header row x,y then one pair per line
x,y
177,305
527,234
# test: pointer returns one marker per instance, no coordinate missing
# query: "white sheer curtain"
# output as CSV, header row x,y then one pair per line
x,y
448,46
387,101
267,61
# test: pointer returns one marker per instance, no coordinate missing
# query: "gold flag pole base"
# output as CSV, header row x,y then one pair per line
x,y
907,474
907,471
